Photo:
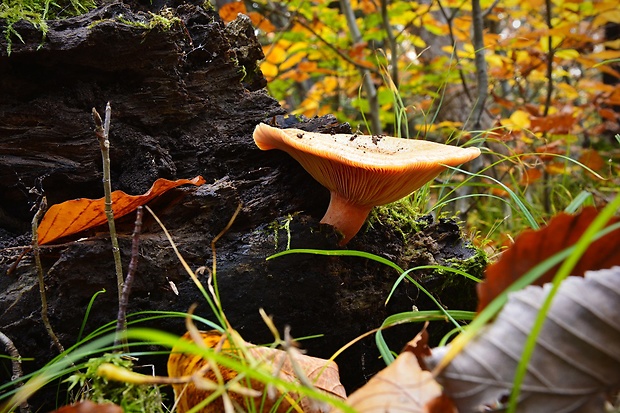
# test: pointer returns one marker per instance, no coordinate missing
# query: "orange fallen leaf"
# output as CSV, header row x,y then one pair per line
x,y
592,159
77,215
322,373
561,123
533,247
229,11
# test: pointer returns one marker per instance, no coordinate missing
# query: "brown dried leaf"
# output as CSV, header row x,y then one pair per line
x,y
402,387
575,364
78,215
323,373
533,247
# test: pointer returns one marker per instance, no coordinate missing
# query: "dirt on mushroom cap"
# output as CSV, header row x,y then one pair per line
x,y
365,151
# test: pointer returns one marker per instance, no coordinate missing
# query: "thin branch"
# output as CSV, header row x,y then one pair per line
x,y
121,320
490,9
339,52
481,64
37,260
16,364
385,21
550,55
102,130
456,56
371,90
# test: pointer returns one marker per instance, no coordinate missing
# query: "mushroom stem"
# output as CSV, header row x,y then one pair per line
x,y
345,216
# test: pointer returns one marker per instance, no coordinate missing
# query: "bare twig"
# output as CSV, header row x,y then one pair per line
x,y
302,22
481,64
102,130
550,55
16,363
490,9
385,21
449,19
371,90
121,321
37,260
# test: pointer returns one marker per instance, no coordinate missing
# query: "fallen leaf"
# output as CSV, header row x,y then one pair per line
x,y
77,215
402,387
533,247
88,406
592,159
575,364
561,123
322,373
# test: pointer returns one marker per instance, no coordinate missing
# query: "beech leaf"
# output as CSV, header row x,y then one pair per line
x,y
402,387
323,374
576,361
76,215
533,247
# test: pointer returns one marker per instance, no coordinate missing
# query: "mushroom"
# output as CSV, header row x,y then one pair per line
x,y
362,171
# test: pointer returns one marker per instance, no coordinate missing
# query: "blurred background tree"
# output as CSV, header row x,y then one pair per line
x,y
535,83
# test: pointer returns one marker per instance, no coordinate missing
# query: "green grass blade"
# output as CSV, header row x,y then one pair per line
x,y
414,317
345,253
583,198
88,308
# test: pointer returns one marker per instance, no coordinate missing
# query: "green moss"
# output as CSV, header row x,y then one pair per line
x,y
164,20
475,265
132,398
37,12
401,215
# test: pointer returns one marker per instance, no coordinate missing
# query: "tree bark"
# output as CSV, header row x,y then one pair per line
x,y
186,101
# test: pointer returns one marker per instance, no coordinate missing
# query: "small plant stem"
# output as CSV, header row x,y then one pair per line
x,y
121,323
16,364
102,130
37,260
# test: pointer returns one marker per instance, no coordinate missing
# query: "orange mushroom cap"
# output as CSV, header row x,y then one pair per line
x,y
362,171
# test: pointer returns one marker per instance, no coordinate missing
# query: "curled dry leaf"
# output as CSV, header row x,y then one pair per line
x,y
402,387
78,215
575,364
322,373
533,247
87,406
